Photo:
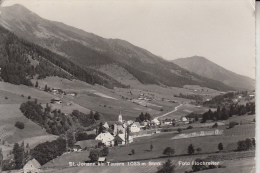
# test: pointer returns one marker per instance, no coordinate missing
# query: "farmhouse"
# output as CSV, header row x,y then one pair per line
x,y
135,127
120,139
156,121
167,121
32,166
183,119
102,160
85,144
56,100
106,138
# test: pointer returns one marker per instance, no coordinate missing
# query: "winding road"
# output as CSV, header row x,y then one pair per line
x,y
175,109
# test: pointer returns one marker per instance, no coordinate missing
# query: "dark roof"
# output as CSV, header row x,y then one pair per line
x,y
87,143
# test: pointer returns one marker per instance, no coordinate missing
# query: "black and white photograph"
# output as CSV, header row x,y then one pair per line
x,y
128,86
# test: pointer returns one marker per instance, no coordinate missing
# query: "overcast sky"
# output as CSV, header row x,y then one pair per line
x,y
223,31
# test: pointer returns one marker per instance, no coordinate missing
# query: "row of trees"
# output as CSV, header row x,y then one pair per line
x,y
190,96
225,113
143,117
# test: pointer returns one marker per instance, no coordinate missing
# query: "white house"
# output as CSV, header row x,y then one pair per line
x,y
32,166
156,121
130,122
135,127
106,138
183,119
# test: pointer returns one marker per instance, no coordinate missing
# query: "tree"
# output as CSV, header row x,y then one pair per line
x,y
198,150
168,151
167,167
36,85
191,149
101,128
232,124
241,146
215,125
18,156
93,155
179,130
19,125
248,143
151,147
96,116
91,115
105,151
46,88
29,97
220,147
133,151
82,136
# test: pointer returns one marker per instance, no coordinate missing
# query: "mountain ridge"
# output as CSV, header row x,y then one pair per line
x,y
204,67
89,50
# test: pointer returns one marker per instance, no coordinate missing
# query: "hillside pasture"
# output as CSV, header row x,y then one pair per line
x,y
208,144
15,93
186,109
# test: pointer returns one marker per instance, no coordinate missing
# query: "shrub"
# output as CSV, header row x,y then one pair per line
x,y
168,151
19,125
29,97
215,125
232,124
133,151
105,151
190,127
191,149
94,155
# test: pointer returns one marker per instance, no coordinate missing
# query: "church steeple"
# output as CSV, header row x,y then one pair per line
x,y
120,118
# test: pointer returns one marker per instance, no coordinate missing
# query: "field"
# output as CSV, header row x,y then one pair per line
x,y
160,141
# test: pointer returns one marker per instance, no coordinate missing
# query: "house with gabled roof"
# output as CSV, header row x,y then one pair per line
x,y
32,166
106,138
85,144
135,127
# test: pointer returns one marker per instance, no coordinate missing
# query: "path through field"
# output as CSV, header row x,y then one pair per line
x,y
175,109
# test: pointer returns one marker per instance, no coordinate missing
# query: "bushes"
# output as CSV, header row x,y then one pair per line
x,y
232,124
245,145
215,125
190,127
105,151
46,151
19,125
168,151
